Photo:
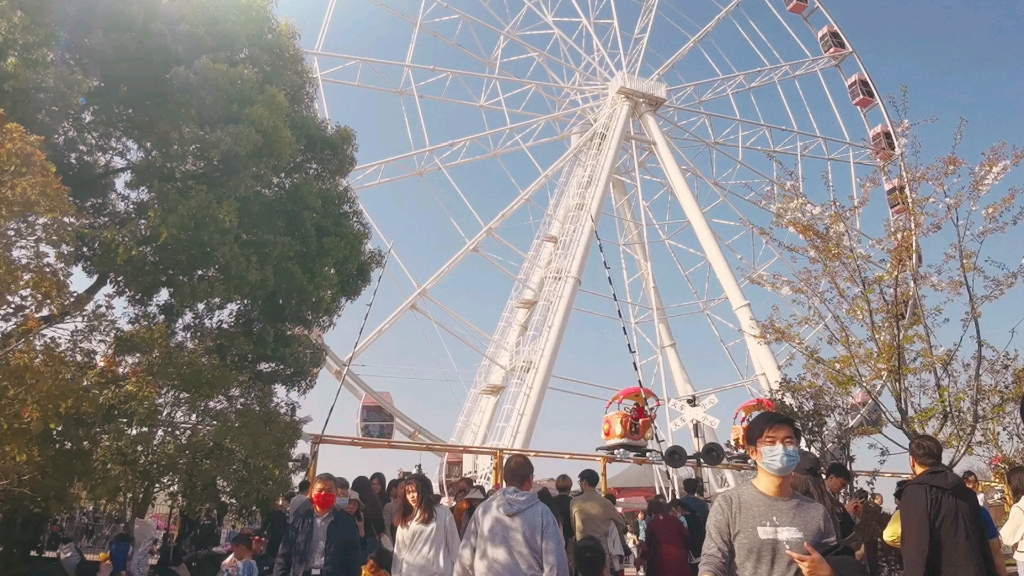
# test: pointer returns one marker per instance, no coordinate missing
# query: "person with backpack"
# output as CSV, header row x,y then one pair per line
x,y
943,530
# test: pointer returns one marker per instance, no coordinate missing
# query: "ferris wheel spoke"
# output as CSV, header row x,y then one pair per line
x,y
744,134
467,249
455,332
490,144
539,57
757,270
696,39
545,58
449,85
549,19
641,33
705,304
693,137
732,84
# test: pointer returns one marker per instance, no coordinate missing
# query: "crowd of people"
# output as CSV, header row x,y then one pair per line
x,y
791,519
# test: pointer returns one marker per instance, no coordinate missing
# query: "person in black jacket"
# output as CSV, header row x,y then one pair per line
x,y
275,526
322,540
943,530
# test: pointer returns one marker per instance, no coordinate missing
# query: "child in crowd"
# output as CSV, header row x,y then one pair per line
x,y
120,550
240,562
379,563
590,557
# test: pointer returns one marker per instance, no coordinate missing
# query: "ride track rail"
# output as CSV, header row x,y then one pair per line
x,y
441,448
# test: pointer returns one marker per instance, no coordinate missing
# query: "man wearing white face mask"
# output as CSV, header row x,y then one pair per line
x,y
764,528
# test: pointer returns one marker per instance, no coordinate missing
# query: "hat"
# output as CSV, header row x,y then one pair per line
x,y
899,489
809,464
475,493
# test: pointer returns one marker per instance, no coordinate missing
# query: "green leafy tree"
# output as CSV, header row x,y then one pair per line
x,y
49,394
208,190
906,331
209,203
181,422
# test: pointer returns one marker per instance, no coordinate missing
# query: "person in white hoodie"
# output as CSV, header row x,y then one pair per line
x,y
427,540
1012,532
513,533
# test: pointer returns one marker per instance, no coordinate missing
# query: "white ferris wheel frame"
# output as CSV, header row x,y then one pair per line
x,y
504,403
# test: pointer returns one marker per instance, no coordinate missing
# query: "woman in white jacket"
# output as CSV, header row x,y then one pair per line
x,y
427,540
1012,532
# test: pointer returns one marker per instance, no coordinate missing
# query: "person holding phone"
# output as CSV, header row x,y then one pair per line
x,y
764,527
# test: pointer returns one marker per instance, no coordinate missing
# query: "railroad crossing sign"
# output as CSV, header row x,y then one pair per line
x,y
695,413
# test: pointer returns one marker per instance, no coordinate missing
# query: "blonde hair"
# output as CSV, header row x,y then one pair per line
x,y
563,484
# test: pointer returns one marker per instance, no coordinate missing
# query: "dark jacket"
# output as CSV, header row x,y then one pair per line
x,y
341,550
563,504
943,531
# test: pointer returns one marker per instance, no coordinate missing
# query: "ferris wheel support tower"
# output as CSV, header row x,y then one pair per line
x,y
505,402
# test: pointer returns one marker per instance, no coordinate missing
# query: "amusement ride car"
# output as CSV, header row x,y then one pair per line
x,y
631,428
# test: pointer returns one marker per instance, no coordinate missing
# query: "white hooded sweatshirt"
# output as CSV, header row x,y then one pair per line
x,y
512,534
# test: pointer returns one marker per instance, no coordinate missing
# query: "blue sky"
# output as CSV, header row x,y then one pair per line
x,y
957,59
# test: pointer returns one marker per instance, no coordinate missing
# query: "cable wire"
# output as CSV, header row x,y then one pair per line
x,y
359,337
622,321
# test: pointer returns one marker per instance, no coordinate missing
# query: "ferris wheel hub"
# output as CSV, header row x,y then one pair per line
x,y
654,92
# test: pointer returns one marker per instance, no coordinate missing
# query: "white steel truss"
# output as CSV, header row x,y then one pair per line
x,y
523,122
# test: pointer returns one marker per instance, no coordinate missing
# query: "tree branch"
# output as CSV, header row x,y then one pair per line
x,y
15,336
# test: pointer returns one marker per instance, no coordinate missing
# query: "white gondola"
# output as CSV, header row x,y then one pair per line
x,y
374,420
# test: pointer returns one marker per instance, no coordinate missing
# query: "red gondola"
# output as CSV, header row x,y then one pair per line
x,y
633,427
797,6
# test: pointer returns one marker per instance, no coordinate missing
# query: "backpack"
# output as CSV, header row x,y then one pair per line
x,y
698,532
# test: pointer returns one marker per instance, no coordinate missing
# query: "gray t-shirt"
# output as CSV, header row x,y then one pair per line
x,y
748,533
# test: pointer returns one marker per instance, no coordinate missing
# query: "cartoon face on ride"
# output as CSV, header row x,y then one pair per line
x,y
631,423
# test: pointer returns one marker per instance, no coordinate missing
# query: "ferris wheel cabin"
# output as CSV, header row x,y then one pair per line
x,y
797,6
861,92
896,194
832,42
883,143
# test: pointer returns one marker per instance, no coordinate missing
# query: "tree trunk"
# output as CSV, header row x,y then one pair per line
x,y
141,505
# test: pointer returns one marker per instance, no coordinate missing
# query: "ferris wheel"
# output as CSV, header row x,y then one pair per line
x,y
502,140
